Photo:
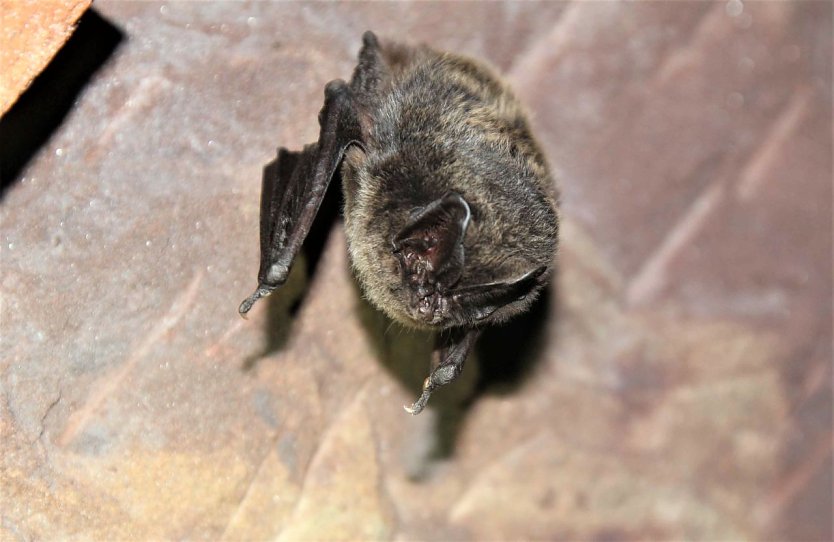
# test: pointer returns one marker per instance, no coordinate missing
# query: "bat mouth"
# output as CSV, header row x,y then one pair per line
x,y
429,307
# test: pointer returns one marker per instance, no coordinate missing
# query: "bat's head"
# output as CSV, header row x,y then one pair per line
x,y
436,265
432,259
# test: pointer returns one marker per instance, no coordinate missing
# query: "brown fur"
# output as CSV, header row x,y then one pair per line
x,y
436,122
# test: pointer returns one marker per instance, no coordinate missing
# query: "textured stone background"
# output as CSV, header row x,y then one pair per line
x,y
676,382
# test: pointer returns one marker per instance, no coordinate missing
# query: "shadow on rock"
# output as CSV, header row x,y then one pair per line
x,y
508,354
41,109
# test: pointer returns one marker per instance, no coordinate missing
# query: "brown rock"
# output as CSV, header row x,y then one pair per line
x,y
675,383
30,34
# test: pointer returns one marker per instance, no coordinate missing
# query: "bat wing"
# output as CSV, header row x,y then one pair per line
x,y
294,188
477,302
473,303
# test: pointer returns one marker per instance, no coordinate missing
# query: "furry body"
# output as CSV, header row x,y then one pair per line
x,y
438,122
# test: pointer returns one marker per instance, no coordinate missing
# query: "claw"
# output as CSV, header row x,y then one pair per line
x,y
249,301
420,404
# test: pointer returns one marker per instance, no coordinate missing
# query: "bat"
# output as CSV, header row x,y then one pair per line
x,y
450,210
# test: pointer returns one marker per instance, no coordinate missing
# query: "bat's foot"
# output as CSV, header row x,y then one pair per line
x,y
420,404
249,301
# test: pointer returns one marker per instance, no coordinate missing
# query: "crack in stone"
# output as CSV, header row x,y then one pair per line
x,y
46,414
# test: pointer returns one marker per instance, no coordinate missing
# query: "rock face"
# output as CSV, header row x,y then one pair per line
x,y
675,383
30,35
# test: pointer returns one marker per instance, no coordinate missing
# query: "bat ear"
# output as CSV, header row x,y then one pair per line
x,y
430,246
479,301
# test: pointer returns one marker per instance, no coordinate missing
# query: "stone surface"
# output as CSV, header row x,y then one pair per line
x,y
30,34
675,383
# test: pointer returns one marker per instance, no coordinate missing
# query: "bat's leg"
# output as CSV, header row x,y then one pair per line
x,y
453,352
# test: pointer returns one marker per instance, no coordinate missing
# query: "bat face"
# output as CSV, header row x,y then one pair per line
x,y
450,211
436,260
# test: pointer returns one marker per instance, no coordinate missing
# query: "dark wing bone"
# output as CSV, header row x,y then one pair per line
x,y
474,303
291,197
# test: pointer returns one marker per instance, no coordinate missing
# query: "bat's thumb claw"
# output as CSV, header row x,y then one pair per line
x,y
249,301
420,404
